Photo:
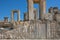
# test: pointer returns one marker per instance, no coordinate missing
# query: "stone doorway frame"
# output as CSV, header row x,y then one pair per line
x,y
18,15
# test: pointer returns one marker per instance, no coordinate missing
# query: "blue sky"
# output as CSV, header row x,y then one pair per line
x,y
7,5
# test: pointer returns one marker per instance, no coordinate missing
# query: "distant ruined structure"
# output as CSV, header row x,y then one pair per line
x,y
18,16
46,27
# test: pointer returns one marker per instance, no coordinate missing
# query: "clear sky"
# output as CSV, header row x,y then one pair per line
x,y
7,5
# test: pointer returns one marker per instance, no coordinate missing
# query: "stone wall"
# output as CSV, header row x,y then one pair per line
x,y
33,30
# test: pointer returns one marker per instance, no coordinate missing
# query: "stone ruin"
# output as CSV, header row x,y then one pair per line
x,y
47,26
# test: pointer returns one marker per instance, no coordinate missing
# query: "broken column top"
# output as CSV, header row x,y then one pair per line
x,y
5,19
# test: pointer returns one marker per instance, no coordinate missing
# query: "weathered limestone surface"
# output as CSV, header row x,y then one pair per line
x,y
30,10
51,29
48,29
58,17
29,30
57,31
42,8
33,29
48,16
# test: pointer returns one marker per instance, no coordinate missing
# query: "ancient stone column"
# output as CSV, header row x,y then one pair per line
x,y
26,18
30,9
42,8
5,19
18,19
35,14
12,16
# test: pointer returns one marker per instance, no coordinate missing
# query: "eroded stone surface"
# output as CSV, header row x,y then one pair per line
x,y
33,29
